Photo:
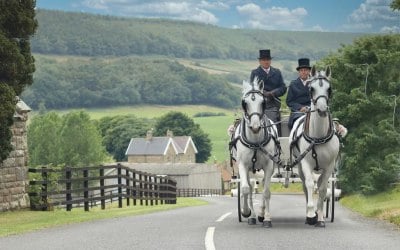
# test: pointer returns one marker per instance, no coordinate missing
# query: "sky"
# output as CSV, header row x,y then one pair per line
x,y
365,16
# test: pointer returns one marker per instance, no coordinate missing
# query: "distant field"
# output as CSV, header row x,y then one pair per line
x,y
215,126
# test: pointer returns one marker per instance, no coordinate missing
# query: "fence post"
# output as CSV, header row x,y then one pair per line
x,y
134,186
146,189
161,190
173,192
119,186
128,188
43,194
156,189
68,185
85,189
102,194
140,189
151,189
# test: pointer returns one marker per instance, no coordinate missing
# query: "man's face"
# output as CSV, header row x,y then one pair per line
x,y
265,63
304,73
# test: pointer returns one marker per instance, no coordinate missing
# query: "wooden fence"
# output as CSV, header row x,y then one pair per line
x,y
89,185
196,192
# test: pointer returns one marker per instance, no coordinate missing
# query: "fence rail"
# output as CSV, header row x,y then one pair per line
x,y
89,185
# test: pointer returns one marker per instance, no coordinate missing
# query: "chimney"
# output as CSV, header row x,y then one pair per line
x,y
149,135
170,133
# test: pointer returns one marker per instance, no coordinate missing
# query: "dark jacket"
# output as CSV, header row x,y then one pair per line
x,y
298,96
272,82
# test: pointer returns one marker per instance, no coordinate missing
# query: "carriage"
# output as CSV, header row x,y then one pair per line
x,y
308,154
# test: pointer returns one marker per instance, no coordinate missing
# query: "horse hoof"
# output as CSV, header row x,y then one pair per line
x,y
246,215
260,219
267,224
320,224
311,220
252,221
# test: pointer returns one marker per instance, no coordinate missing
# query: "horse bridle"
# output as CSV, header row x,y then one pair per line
x,y
244,105
320,78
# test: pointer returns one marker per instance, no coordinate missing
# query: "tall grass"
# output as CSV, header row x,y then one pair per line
x,y
384,206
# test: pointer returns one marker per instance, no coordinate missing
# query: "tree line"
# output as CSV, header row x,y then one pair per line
x,y
69,33
77,83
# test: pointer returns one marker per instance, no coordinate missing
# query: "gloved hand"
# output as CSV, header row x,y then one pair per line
x,y
268,93
304,109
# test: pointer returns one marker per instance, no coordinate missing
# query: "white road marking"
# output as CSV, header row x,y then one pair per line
x,y
209,240
223,217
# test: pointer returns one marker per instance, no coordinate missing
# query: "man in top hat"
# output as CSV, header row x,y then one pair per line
x,y
298,97
274,87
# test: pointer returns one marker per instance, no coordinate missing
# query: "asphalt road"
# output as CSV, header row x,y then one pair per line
x,y
215,226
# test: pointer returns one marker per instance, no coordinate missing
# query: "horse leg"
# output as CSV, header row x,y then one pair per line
x,y
322,190
308,187
244,190
252,218
265,215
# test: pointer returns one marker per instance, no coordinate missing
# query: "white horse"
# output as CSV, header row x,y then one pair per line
x,y
256,147
315,144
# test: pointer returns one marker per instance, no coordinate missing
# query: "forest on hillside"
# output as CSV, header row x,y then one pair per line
x,y
101,82
86,60
69,33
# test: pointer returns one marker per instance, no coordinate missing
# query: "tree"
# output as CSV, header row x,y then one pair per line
x,y
17,25
366,92
44,140
181,125
395,5
117,131
80,141
72,140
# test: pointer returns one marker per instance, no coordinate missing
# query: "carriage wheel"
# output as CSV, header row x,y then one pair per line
x,y
238,202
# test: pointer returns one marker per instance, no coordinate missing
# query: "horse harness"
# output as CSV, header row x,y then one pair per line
x,y
312,140
267,134
260,146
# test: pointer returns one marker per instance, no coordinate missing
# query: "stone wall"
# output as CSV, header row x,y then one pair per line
x,y
13,171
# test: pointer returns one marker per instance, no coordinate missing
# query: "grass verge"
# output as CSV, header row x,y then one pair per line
x,y
21,221
384,206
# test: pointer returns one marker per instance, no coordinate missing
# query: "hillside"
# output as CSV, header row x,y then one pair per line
x,y
86,60
68,33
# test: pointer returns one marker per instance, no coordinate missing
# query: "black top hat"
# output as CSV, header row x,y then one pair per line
x,y
265,54
304,63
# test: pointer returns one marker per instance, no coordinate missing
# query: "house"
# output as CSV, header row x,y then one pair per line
x,y
168,149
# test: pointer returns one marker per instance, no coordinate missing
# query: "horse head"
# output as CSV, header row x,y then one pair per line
x,y
253,103
320,90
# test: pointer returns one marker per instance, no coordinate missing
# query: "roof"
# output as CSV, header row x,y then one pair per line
x,y
159,145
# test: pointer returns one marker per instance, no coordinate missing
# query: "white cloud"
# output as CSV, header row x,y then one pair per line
x,y
184,10
393,29
219,5
272,18
374,16
317,28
